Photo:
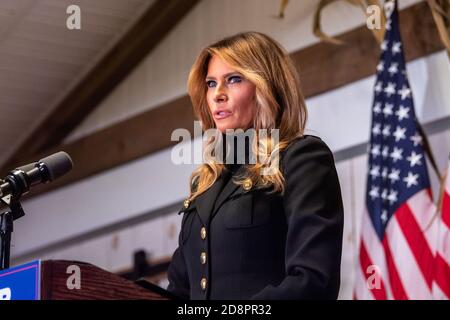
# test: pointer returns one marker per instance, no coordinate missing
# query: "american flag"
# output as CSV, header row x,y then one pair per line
x,y
441,288
398,238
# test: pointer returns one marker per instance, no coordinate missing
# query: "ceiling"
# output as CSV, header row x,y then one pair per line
x,y
41,59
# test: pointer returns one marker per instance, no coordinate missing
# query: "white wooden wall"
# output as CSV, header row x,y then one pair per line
x,y
341,117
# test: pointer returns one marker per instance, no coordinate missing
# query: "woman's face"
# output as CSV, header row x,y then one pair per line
x,y
230,96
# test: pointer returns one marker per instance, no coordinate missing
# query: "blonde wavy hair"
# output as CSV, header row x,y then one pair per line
x,y
279,102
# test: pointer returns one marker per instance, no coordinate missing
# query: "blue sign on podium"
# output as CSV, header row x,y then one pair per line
x,y
21,282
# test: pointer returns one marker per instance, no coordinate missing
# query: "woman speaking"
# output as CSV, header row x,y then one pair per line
x,y
248,232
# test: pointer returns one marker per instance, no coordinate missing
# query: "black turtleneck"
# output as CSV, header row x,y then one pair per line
x,y
241,153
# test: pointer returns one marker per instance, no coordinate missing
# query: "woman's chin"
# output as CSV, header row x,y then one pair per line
x,y
224,127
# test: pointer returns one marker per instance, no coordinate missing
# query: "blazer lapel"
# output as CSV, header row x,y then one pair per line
x,y
212,199
205,201
226,193
230,190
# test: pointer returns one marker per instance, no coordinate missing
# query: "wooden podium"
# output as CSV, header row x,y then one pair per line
x,y
95,284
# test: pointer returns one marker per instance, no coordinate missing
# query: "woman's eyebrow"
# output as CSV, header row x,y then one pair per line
x,y
225,75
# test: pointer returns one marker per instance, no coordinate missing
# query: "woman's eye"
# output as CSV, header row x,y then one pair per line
x,y
233,79
236,78
209,83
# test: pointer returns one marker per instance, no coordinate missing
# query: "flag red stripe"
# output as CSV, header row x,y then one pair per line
x,y
442,276
417,242
365,262
398,292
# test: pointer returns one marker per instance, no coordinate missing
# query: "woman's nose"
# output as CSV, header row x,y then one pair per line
x,y
220,94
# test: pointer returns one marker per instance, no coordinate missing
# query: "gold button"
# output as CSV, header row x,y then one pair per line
x,y
203,283
203,258
247,184
203,233
186,203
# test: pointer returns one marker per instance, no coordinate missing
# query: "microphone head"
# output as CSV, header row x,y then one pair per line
x,y
57,164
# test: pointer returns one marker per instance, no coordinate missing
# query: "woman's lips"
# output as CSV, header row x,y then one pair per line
x,y
222,114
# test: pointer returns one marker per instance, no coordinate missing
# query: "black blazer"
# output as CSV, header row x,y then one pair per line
x,y
238,244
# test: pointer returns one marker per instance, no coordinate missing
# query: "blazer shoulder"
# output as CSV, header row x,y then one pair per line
x,y
306,144
307,151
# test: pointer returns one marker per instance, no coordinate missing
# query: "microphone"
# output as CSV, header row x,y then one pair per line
x,y
20,180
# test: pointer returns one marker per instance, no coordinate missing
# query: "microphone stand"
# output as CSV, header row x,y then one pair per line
x,y
18,183
11,209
